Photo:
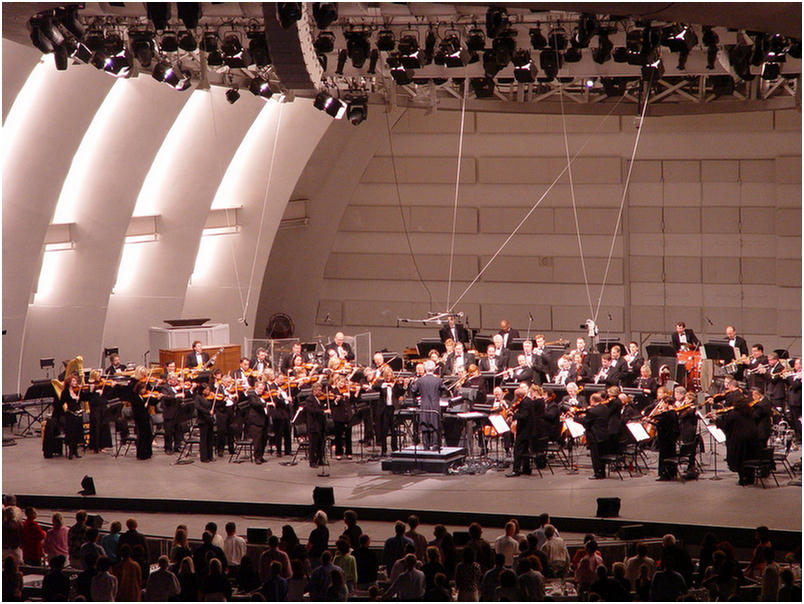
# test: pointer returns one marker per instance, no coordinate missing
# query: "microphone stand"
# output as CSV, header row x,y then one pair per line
x,y
530,322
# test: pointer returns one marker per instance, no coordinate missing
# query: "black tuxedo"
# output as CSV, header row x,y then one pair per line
x,y
775,387
612,377
692,340
316,426
256,423
740,344
428,387
525,417
191,360
350,356
206,420
596,422
468,359
254,362
460,335
501,362
512,333
755,379
523,374
171,404
286,364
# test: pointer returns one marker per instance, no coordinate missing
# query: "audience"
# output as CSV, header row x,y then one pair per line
x,y
668,584
275,586
56,585
129,576
215,587
111,541
507,545
56,540
555,550
394,548
468,575
446,545
352,530
529,580
247,577
409,585
346,562
76,537
33,538
162,584
419,540
180,547
432,567
104,584
297,584
234,546
634,564
318,541
491,579
272,554
12,580
190,588
321,578
365,562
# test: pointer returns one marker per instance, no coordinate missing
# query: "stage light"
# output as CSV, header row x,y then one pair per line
x,y
550,62
325,14
60,57
583,32
710,40
776,49
573,55
333,107
68,17
288,13
234,55
482,87
358,48
386,40
81,53
589,83
795,49
187,41
342,56
450,52
524,69
634,46
503,49
602,53
496,21
401,75
119,65
614,86
189,13
113,43
557,39
770,71
357,109
261,88
408,44
324,42
232,95
258,48
429,46
159,13
38,37
475,40
740,61
537,39
653,69
142,45
173,76
759,51
373,58
169,42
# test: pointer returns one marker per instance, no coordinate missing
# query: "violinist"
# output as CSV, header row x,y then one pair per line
x,y
580,371
204,403
100,436
616,425
647,384
742,442
168,369
115,366
341,408
73,413
667,432
260,362
436,358
279,413
142,418
257,420
572,400
525,417
286,364
225,411
390,391
366,380
378,361
474,379
243,375
761,411
499,406
173,395
596,422
197,358
688,429
342,348
316,425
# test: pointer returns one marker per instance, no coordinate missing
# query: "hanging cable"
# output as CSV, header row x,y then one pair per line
x,y
457,186
625,193
535,205
401,211
574,206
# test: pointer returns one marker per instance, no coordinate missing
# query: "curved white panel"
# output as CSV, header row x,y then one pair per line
x,y
42,131
262,176
18,62
179,188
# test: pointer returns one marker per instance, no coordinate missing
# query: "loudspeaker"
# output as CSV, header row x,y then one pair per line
x,y
608,507
87,486
258,535
323,497
95,520
461,538
631,532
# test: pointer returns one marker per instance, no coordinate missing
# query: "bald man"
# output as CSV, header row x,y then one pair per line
x,y
342,349
507,332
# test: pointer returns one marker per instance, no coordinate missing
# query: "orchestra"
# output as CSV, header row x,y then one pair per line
x,y
319,399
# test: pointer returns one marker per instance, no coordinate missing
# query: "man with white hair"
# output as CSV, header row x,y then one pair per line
x,y
428,387
342,348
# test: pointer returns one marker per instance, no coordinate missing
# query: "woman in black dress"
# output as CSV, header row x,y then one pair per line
x,y
70,402
100,435
142,420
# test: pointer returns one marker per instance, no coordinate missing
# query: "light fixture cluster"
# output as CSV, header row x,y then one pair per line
x,y
354,105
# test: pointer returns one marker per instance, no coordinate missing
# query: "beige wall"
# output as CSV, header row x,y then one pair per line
x,y
711,226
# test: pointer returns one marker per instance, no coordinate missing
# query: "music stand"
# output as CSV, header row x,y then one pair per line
x,y
719,351
660,349
425,345
606,344
515,344
482,343
575,430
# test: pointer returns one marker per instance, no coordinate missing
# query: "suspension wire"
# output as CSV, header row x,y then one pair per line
x,y
574,206
401,211
625,193
262,215
535,205
457,186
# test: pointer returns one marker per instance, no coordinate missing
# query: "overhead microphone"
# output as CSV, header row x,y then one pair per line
x,y
530,316
708,320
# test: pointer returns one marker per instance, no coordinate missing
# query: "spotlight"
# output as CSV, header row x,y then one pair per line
x,y
429,46
635,47
524,69
589,83
602,53
94,40
710,40
159,71
358,48
551,61
409,50
614,86
496,21
50,30
60,57
142,44
113,43
451,52
777,49
119,65
482,87
558,39
232,95
261,88
770,71
740,61
759,51
583,32
401,75
357,109
537,39
573,55
288,13
475,40
169,42
187,41
68,17
620,54
330,105
234,55
324,43
342,56
159,13
38,37
81,53
185,81
189,13
258,48
653,69
325,14
373,58
386,40
98,60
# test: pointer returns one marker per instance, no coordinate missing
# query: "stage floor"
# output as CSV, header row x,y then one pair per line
x,y
700,502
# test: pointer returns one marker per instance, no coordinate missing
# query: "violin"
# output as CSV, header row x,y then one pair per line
x,y
215,396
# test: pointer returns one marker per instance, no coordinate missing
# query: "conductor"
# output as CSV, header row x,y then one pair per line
x,y
428,387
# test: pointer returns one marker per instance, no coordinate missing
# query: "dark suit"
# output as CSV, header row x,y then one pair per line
x,y
384,414
692,340
525,417
286,364
263,366
428,387
794,403
775,387
316,424
350,356
631,370
500,361
512,333
611,377
192,361
256,423
206,421
740,344
755,379
171,404
460,334
468,359
596,422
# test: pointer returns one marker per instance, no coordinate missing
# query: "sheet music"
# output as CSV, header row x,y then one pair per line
x,y
471,415
717,433
499,424
576,430
638,431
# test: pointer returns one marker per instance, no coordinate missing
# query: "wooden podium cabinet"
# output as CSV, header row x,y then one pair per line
x,y
228,360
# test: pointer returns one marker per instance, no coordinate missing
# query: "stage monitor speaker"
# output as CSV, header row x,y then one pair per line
x,y
258,535
608,507
631,532
461,538
95,521
87,486
323,497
